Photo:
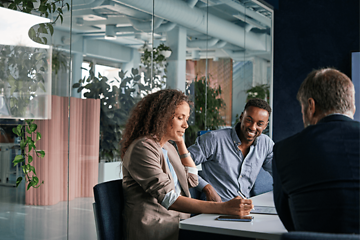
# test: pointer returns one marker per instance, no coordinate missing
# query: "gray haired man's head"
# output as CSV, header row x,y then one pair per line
x,y
332,91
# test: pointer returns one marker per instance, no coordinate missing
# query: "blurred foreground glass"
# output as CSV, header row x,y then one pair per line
x,y
25,68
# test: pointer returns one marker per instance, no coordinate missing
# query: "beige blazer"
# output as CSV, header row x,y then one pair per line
x,y
146,180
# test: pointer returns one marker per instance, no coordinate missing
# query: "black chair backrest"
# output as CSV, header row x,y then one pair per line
x,y
318,236
108,208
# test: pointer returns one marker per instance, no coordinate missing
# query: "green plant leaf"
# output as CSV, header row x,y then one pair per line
x,y
22,144
16,131
38,136
32,169
36,180
41,152
32,33
43,8
30,159
80,89
134,71
51,28
28,130
137,78
30,184
18,181
18,159
42,28
31,146
33,127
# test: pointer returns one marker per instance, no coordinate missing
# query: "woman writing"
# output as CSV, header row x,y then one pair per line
x,y
156,179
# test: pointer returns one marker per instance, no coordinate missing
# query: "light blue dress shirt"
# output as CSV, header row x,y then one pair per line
x,y
223,164
171,196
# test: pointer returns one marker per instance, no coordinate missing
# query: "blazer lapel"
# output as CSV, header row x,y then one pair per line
x,y
178,167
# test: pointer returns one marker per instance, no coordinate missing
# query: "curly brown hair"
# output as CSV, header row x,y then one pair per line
x,y
151,115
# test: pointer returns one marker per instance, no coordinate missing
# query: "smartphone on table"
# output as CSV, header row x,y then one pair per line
x,y
235,218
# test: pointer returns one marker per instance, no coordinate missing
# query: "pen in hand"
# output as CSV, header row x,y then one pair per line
x,y
242,195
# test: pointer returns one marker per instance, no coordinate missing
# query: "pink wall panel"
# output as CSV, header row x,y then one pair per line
x,y
83,154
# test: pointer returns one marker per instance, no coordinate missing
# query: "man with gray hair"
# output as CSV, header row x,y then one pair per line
x,y
316,172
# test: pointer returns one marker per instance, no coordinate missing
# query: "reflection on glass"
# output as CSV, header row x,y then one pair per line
x,y
233,51
25,68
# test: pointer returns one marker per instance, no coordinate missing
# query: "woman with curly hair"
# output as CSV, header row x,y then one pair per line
x,y
156,179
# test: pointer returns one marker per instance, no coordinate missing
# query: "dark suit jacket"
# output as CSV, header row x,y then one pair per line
x,y
316,177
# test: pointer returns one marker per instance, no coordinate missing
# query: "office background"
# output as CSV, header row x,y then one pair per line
x,y
308,34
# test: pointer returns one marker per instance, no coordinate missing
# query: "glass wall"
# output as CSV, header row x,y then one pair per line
x,y
80,76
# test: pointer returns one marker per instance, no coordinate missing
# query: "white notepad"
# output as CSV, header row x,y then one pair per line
x,y
264,210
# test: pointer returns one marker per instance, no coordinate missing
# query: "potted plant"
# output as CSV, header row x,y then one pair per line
x,y
214,103
159,66
261,91
116,104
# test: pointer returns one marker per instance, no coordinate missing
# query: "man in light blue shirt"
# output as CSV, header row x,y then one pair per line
x,y
232,158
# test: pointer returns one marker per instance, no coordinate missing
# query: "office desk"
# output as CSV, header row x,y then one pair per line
x,y
262,227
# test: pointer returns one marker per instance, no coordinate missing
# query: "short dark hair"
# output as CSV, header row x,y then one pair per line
x,y
260,103
331,90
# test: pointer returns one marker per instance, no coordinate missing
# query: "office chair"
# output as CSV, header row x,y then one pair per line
x,y
263,183
318,236
108,208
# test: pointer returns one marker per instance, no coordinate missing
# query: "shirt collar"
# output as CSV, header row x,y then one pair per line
x,y
235,136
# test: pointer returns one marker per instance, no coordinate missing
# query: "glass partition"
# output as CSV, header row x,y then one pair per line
x,y
25,67
233,51
102,57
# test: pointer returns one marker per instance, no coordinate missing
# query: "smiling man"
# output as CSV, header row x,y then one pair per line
x,y
232,158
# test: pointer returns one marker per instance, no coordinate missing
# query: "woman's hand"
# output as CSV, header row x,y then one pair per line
x,y
181,145
186,161
211,194
238,206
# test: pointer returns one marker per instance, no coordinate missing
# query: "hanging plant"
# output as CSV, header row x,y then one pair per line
x,y
30,67
27,145
159,63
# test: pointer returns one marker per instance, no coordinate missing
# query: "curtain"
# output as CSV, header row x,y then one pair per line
x,y
81,134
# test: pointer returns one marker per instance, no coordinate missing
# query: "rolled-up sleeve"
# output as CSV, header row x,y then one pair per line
x,y
143,164
169,199
192,176
199,151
